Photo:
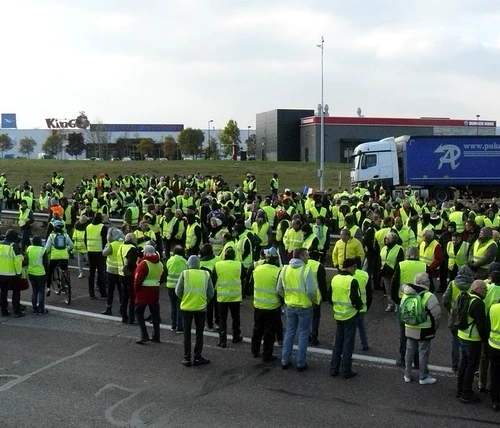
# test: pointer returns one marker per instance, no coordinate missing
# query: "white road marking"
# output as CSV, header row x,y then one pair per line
x,y
312,350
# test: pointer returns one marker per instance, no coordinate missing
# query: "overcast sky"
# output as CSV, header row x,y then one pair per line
x,y
189,61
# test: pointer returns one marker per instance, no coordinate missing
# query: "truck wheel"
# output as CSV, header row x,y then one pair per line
x,y
441,194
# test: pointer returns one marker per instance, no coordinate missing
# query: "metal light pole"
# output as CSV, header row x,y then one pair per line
x,y
477,123
322,137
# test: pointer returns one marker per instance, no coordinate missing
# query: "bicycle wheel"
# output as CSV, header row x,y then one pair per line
x,y
56,280
66,286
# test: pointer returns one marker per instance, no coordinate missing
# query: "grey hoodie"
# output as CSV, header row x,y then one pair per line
x,y
433,310
463,281
309,286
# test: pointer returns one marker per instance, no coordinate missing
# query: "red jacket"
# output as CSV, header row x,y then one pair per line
x,y
147,295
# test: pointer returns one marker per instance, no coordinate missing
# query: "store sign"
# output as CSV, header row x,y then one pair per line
x,y
80,122
489,123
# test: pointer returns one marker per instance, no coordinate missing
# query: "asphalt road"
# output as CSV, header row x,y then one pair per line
x,y
84,370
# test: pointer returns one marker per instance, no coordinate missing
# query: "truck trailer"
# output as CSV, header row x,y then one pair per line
x,y
436,166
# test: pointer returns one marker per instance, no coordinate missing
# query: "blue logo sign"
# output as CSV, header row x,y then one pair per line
x,y
9,120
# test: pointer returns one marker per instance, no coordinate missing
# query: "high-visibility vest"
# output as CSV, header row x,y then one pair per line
x,y
167,227
313,211
343,308
155,271
35,260
455,291
426,255
122,257
470,333
480,250
407,237
294,280
210,264
58,254
155,228
180,229
175,266
23,216
428,322
230,244
228,284
265,296
362,277
194,297
380,235
494,339
79,241
218,236
279,232
321,232
191,235
261,232
240,246
293,239
457,217
10,264
147,234
134,218
112,265
459,259
390,258
94,239
309,241
408,269
492,296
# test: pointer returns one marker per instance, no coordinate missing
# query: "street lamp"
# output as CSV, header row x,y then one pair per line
x,y
322,147
208,127
477,123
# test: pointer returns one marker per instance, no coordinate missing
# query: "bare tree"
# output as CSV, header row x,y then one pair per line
x,y
99,138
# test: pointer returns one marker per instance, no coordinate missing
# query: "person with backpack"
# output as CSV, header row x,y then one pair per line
x,y
57,248
421,313
471,324
461,283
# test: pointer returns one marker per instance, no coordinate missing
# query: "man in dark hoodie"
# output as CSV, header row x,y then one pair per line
x,y
462,282
419,336
127,263
470,342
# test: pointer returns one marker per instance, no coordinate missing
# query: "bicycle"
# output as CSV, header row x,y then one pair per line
x,y
61,283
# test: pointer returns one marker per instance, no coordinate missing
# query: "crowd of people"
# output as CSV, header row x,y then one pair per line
x,y
211,246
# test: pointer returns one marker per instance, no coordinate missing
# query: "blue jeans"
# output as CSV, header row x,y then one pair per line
x,y
343,347
362,330
455,350
175,311
471,353
296,319
38,292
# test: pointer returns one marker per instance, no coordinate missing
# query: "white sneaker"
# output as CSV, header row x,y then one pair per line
x,y
80,276
427,381
407,379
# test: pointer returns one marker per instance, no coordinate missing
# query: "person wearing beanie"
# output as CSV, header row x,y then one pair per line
x,y
194,289
347,303
462,282
148,277
115,240
11,261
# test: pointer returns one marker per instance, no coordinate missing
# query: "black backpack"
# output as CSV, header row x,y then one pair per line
x,y
459,312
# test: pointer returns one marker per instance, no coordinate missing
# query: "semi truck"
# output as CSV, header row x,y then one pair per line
x,y
435,166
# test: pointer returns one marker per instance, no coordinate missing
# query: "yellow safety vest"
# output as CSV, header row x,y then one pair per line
x,y
195,290
455,291
293,239
293,280
155,228
362,277
134,211
79,241
167,227
58,254
175,266
23,216
112,264
407,237
228,281
10,264
122,257
492,296
390,258
155,271
480,250
380,235
408,270
191,235
261,232
427,254
494,339
265,296
457,217
35,260
240,247
343,308
94,239
470,333
459,259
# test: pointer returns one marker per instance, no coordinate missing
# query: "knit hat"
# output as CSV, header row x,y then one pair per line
x,y
348,263
193,262
464,278
149,250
